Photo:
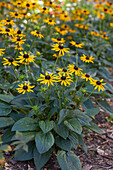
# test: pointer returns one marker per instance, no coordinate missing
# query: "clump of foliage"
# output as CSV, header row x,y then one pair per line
x,y
53,62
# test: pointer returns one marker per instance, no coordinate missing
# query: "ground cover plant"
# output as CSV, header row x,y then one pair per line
x,y
54,59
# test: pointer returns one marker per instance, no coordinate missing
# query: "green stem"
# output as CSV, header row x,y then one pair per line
x,y
55,65
32,44
15,72
30,73
26,73
29,99
76,58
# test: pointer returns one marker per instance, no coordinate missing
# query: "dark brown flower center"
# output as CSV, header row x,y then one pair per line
x,y
8,20
98,83
63,78
26,56
65,16
65,26
87,75
64,70
16,14
18,3
47,77
51,2
77,43
28,5
105,9
87,58
44,8
33,3
10,60
75,67
50,20
25,87
37,32
7,30
59,39
61,47
18,39
18,32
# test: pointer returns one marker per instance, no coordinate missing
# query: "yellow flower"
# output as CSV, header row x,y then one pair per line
x,y
66,80
61,31
58,40
50,21
111,24
25,88
98,84
47,79
26,58
19,33
87,59
44,10
60,48
76,44
8,21
37,33
8,31
1,51
10,61
18,40
18,47
63,70
74,69
15,15
86,77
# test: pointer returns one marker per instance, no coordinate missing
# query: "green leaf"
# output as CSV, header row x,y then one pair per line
x,y
74,125
22,155
44,141
68,161
5,148
92,112
63,113
7,135
4,109
64,144
46,125
81,142
6,98
95,128
74,139
25,124
105,106
41,159
6,121
61,130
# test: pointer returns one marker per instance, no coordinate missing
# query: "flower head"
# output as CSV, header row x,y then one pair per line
x,y
74,69
26,58
65,80
87,59
98,84
37,33
60,48
2,51
47,79
86,77
25,88
10,61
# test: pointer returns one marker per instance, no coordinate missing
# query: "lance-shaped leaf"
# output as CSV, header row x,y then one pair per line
x,y
46,126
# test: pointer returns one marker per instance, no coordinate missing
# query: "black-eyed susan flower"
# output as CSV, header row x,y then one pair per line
x,y
37,33
86,77
111,24
19,33
60,48
2,51
25,88
78,45
64,71
75,69
10,61
8,31
65,80
15,15
8,21
18,47
61,31
58,40
18,40
98,84
26,58
87,59
50,21
44,10
47,79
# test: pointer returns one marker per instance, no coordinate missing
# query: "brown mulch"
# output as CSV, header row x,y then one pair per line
x,y
98,157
